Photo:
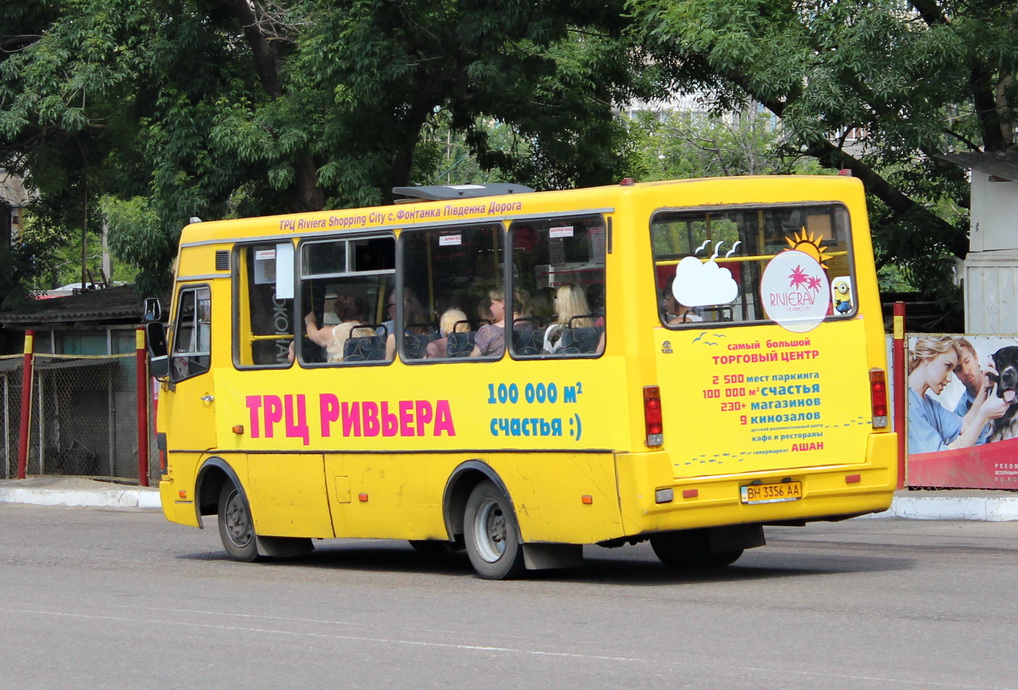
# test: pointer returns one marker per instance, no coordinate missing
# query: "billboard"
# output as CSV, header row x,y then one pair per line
x,y
962,402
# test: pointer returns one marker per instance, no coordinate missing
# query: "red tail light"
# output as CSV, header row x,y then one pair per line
x,y
652,416
878,398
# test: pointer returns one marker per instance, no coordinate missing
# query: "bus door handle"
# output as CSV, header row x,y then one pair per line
x,y
207,398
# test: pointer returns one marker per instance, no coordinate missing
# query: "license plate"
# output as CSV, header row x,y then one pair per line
x,y
772,493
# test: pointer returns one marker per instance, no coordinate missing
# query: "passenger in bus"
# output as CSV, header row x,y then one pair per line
x,y
675,311
413,318
452,320
544,303
490,341
570,305
595,298
413,311
350,312
931,426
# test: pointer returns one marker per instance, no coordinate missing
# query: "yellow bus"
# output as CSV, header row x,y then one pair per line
x,y
519,374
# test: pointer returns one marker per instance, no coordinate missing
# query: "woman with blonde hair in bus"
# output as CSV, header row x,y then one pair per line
x,y
452,320
931,426
571,311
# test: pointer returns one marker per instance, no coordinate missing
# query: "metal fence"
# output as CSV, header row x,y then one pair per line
x,y
84,419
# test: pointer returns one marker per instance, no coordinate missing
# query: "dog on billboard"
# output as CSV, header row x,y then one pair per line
x,y
1005,361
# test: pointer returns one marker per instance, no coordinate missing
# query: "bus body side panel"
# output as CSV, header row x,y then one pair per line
x,y
375,495
286,495
371,496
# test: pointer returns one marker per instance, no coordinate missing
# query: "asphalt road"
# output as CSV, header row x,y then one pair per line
x,y
102,598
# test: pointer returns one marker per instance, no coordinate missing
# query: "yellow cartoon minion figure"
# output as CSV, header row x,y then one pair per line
x,y
841,289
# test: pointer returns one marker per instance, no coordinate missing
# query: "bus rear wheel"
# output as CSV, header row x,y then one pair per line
x,y
236,528
492,534
691,550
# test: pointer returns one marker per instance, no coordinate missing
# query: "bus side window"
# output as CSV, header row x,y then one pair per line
x,y
264,321
451,271
345,286
192,334
560,264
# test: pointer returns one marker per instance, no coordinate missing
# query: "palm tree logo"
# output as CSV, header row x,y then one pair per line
x,y
797,278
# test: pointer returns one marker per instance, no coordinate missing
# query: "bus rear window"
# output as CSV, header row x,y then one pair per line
x,y
728,249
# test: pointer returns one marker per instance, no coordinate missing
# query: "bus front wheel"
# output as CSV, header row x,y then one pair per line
x,y
690,549
491,534
235,525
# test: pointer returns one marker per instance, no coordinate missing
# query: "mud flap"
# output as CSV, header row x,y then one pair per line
x,y
283,547
548,556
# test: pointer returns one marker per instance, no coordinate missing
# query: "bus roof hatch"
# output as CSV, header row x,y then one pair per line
x,y
456,191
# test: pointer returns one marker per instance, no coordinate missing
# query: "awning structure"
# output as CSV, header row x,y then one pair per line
x,y
1002,164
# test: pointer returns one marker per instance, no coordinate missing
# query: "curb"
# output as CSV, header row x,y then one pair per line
x,y
116,498
944,506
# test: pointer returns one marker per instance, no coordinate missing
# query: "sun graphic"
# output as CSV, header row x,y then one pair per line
x,y
808,243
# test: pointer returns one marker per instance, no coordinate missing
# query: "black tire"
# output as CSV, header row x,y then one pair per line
x,y
236,528
492,534
690,550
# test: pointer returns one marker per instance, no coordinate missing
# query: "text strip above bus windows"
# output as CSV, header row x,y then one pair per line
x,y
192,334
345,287
265,318
452,283
559,273
791,264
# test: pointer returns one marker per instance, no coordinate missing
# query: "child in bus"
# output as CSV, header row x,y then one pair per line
x,y
452,320
570,305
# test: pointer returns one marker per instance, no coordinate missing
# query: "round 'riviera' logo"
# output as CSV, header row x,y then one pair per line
x,y
795,291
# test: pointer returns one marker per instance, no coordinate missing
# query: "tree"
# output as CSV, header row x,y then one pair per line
x,y
210,108
911,79
683,144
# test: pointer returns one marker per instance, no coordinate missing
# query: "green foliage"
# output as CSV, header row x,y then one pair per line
x,y
19,261
683,145
912,80
160,111
150,113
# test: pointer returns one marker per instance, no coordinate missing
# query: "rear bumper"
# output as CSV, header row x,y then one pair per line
x,y
828,492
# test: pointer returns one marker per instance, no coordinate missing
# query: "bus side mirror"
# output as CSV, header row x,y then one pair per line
x,y
153,310
155,343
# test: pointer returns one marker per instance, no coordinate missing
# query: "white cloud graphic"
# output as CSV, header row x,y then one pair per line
x,y
699,284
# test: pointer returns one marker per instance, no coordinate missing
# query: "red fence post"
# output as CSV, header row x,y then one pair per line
x,y
141,385
26,404
900,383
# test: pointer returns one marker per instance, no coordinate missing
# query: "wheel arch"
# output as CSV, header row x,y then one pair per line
x,y
213,474
461,482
